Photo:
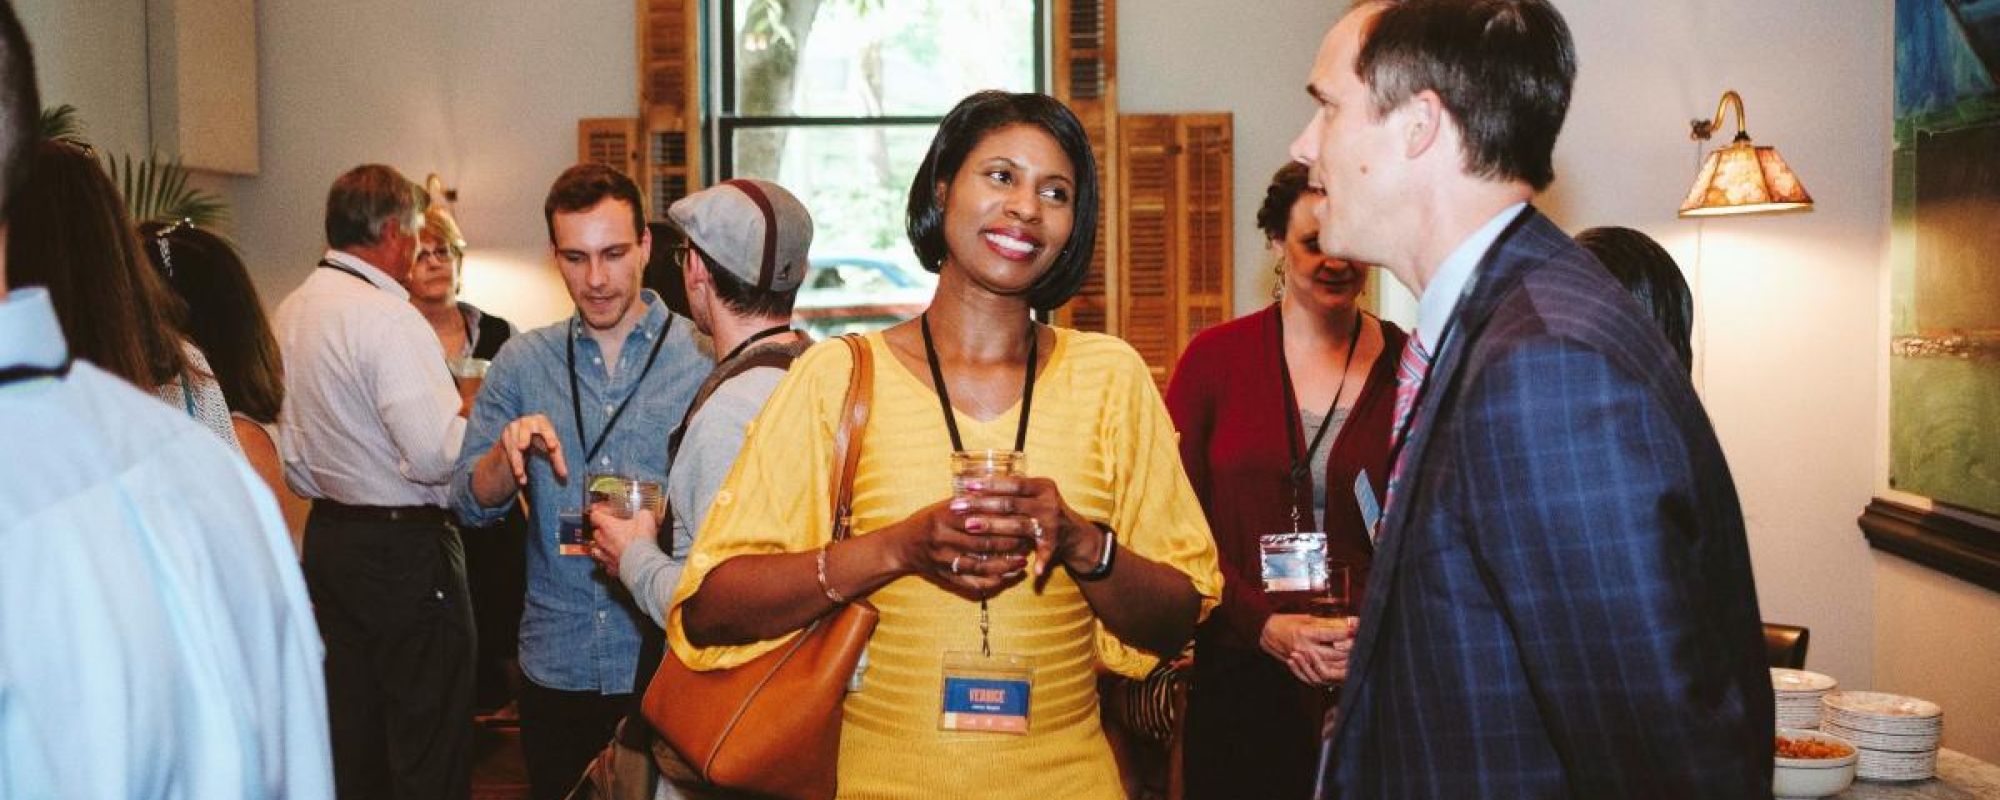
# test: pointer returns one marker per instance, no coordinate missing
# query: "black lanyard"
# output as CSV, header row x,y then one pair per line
x,y
349,270
944,394
28,372
754,338
1298,475
957,444
576,397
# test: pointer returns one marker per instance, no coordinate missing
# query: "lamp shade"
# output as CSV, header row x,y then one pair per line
x,y
1743,178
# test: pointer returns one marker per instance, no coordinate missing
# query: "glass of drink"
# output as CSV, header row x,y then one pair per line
x,y
968,466
624,495
1332,607
468,373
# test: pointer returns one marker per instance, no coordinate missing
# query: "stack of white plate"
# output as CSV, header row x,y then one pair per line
x,y
1798,693
1897,736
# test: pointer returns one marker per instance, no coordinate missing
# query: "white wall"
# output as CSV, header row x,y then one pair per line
x,y
485,93
92,54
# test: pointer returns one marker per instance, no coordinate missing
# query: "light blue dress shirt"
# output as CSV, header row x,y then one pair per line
x,y
155,637
579,627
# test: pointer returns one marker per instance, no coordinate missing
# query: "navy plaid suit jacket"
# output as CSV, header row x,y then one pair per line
x,y
1562,603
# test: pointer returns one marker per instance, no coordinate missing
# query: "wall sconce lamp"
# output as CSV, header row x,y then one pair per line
x,y
1740,178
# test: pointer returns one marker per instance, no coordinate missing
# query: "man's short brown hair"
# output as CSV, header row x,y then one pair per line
x,y
582,187
1503,68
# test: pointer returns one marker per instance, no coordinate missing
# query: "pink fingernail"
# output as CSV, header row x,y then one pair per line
x,y
976,486
975,525
960,504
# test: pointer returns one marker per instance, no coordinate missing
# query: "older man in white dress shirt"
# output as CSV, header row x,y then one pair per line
x,y
370,430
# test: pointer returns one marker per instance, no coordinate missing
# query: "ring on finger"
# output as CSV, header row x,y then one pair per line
x,y
954,564
1037,528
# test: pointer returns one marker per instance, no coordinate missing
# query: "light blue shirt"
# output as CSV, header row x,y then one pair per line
x,y
155,637
1440,299
579,627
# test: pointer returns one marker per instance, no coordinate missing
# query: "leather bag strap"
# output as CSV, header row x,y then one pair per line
x,y
853,425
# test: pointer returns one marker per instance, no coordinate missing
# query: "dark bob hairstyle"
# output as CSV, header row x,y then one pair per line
x,y
1646,270
968,123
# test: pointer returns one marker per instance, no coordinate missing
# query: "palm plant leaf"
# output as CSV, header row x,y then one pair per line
x,y
157,191
62,123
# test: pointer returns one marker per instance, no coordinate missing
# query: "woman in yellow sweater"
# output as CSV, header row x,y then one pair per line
x,y
1003,602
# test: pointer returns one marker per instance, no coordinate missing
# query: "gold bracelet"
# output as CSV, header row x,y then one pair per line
x,y
824,586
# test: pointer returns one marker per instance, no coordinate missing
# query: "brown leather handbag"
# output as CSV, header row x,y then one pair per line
x,y
771,726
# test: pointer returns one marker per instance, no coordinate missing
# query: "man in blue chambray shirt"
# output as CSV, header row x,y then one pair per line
x,y
597,392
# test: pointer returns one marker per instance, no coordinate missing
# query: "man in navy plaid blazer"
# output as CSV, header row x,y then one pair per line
x,y
1562,603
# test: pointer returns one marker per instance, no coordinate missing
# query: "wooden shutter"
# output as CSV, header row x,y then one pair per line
x,y
669,102
1175,179
611,141
1206,198
1147,183
1084,75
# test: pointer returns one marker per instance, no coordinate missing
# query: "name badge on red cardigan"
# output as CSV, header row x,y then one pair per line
x,y
1293,562
1371,510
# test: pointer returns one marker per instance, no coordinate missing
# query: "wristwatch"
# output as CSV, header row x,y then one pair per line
x,y
1103,567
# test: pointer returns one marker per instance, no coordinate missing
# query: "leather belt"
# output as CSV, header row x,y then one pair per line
x,y
339,510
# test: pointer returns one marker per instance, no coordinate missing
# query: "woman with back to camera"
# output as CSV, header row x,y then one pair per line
x,y
227,322
69,231
1097,555
1280,413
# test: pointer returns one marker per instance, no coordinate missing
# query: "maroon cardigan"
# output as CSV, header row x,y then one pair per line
x,y
1227,400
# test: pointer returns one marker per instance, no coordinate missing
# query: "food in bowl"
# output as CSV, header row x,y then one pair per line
x,y
1811,749
1811,764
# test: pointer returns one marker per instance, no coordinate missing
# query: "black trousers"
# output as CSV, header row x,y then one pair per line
x,y
561,732
391,603
496,573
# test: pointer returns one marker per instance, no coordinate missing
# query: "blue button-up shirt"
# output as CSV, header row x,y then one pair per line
x,y
579,629
155,636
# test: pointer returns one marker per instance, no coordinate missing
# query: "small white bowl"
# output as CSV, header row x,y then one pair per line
x,y
1812,777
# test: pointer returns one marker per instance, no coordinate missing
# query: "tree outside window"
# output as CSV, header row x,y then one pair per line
x,y
837,100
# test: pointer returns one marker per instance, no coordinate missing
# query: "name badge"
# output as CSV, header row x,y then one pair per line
x,y
572,535
1293,562
986,694
1364,494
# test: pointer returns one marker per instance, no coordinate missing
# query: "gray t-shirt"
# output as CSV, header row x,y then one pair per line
x,y
708,450
1310,422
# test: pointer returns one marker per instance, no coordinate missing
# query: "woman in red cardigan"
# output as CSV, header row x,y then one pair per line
x,y
1302,389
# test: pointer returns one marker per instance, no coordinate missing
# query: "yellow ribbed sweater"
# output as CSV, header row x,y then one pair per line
x,y
1098,428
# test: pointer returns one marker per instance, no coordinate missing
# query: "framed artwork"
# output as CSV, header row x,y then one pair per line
x,y
1944,349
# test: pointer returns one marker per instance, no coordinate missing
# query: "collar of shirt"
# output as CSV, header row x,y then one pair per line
x,y
375,275
1440,298
30,336
648,327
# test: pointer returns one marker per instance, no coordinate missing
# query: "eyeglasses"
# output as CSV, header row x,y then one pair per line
x,y
440,254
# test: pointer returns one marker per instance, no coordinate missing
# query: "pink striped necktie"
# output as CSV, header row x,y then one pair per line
x,y
1410,372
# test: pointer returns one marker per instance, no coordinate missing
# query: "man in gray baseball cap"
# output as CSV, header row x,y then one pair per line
x,y
745,256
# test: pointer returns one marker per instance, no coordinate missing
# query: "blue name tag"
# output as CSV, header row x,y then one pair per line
x,y
986,704
572,535
1364,493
